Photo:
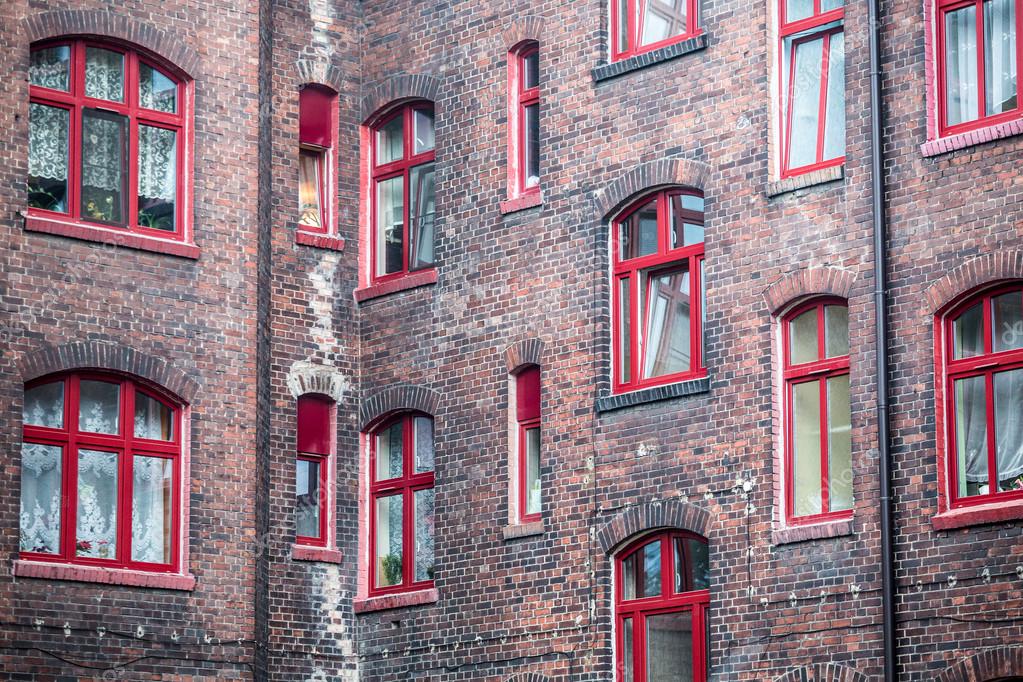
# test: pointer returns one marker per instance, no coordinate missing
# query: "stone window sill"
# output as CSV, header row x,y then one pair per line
x,y
516,531
979,515
522,203
811,179
101,574
321,554
320,241
412,281
951,143
816,531
647,59
397,601
654,394
110,235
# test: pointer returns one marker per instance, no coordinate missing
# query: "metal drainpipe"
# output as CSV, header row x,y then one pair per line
x,y
881,340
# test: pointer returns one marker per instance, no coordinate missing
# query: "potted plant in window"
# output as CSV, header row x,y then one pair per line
x,y
391,565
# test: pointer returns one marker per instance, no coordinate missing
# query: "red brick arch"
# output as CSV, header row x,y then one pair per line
x,y
401,87
988,268
398,398
528,677
650,176
807,282
826,672
652,516
994,665
525,352
525,28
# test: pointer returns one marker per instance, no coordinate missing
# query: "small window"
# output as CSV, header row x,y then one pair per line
x,y
402,192
401,505
658,290
812,85
661,599
524,92
100,474
817,412
315,442
527,417
638,26
317,118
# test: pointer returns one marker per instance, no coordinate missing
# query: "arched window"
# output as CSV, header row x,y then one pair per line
x,y
108,138
815,339
657,287
317,135
527,419
524,115
402,191
401,505
983,352
101,473
662,591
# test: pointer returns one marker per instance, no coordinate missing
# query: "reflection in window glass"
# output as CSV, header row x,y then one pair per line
x,y
389,532
104,169
51,67
157,91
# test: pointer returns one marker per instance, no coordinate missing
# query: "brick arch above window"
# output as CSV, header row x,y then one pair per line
x,y
169,45
829,672
807,282
110,357
653,516
528,677
525,352
399,88
398,398
989,268
525,28
318,72
649,176
988,666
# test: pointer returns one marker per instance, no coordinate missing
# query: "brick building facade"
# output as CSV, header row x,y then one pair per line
x,y
240,316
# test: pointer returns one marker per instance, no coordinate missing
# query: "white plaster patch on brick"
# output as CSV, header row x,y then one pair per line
x,y
304,375
321,300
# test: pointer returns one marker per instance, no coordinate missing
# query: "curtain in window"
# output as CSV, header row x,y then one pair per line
x,y
40,498
667,325
424,534
157,163
104,74
96,534
971,434
961,65
50,67
151,509
47,142
1000,56
1009,428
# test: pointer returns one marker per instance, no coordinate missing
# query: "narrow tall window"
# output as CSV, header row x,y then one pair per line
x,y
812,85
662,591
402,191
638,26
979,61
524,92
818,416
312,469
658,290
401,505
316,121
984,397
100,473
527,416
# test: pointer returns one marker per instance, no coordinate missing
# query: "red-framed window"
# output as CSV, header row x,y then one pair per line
x,y
527,417
979,60
812,52
983,384
100,473
657,287
315,443
317,124
402,191
818,418
109,138
524,114
401,514
639,26
662,594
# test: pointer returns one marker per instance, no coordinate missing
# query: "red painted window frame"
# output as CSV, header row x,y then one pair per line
x,y
315,413
406,486
633,268
696,601
326,161
519,98
75,101
942,7
69,438
633,25
819,371
818,19
528,416
987,365
400,168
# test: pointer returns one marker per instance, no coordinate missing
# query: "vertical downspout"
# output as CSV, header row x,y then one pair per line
x,y
881,341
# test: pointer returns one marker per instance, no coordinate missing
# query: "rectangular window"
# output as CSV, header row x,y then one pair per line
x,y
317,134
638,26
312,469
527,417
524,119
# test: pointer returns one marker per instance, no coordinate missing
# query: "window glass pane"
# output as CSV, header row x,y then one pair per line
x,y
390,226
661,19
971,436
388,452
1009,429
641,572
531,70
44,405
531,152
104,174
667,334
961,65
628,652
836,331
422,197
637,234
50,67
153,419
40,498
424,534
804,99
625,331
1000,56
388,541
669,647
533,471
423,435
798,9
686,221
309,188
803,338
692,565
96,534
104,74
157,91
307,498
828,5
968,332
840,487
390,140
806,448
99,407
703,312
158,179
47,157
834,121
423,122
622,29
1007,322
151,502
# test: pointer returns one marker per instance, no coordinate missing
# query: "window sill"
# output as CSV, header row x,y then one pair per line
x,y
982,514
104,235
413,281
642,61
100,574
321,554
397,601
320,241
654,394
811,179
526,201
951,143
523,530
816,531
